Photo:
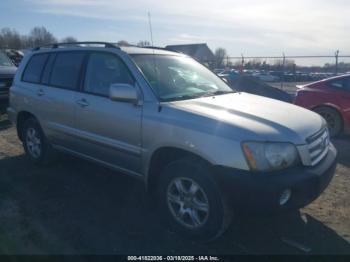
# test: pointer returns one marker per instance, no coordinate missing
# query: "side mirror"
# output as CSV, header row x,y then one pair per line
x,y
123,93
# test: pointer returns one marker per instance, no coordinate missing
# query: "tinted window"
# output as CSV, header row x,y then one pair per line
x,y
34,68
66,69
104,69
48,67
337,83
347,84
343,83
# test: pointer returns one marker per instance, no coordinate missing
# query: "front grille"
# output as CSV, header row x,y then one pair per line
x,y
318,145
5,84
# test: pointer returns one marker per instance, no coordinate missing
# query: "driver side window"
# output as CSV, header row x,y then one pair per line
x,y
104,69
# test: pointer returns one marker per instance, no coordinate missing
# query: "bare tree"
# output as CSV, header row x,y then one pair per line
x,y
10,38
220,55
69,39
143,43
40,36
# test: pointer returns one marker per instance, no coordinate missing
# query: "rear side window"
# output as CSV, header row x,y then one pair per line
x,y
66,70
33,70
45,79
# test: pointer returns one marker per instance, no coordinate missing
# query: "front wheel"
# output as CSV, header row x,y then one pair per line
x,y
191,200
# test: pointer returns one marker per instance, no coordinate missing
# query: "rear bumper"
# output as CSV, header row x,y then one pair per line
x,y
261,192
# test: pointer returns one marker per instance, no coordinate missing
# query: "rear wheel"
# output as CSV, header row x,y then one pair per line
x,y
333,119
35,143
191,200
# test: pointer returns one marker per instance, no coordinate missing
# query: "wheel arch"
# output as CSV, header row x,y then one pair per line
x,y
160,158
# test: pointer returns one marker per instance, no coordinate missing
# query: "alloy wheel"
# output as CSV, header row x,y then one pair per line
x,y
33,142
188,202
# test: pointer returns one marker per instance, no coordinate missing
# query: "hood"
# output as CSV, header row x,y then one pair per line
x,y
8,70
251,117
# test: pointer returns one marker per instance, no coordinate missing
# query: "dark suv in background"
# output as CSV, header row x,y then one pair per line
x,y
7,72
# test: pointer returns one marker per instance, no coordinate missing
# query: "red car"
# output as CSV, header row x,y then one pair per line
x,y
331,99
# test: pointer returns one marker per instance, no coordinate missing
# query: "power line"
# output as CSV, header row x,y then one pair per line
x,y
296,56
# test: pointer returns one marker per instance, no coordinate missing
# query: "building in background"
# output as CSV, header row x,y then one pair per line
x,y
200,52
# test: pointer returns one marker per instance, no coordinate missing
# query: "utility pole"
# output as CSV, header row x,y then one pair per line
x,y
242,64
283,69
336,61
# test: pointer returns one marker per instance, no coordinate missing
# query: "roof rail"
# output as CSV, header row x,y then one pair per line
x,y
57,45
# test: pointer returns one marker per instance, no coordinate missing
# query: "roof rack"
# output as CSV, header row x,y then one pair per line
x,y
57,45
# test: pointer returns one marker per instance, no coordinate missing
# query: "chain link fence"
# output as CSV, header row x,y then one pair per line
x,y
287,71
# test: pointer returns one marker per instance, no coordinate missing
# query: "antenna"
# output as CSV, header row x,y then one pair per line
x,y
150,27
154,59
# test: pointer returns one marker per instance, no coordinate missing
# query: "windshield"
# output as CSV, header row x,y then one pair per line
x,y
4,60
178,78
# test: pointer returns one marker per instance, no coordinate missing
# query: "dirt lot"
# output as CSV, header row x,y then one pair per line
x,y
75,207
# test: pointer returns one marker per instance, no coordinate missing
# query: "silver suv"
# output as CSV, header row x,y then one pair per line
x,y
204,152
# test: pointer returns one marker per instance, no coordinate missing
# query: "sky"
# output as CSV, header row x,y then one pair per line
x,y
249,27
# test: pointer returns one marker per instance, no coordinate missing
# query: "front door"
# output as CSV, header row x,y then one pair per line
x,y
108,131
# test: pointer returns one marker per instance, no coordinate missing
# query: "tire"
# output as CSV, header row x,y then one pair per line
x,y
333,119
35,144
201,216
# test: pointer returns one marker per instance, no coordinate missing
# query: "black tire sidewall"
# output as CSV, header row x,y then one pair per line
x,y
200,173
335,115
32,123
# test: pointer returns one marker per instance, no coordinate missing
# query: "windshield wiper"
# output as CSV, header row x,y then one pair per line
x,y
193,96
183,97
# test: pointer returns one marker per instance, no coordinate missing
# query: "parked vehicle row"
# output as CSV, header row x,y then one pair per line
x,y
204,152
276,76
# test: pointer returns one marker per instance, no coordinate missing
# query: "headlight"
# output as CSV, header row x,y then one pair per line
x,y
270,156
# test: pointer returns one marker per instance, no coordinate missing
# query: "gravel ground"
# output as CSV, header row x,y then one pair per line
x,y
76,207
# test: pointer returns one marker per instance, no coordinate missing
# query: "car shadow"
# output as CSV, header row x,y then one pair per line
x,y
75,207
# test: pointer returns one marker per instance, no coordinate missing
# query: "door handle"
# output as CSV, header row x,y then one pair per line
x,y
82,102
40,92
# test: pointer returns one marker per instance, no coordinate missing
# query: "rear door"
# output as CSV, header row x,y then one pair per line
x,y
109,131
60,83
31,88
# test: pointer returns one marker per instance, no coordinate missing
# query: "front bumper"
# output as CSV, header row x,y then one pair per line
x,y
261,192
